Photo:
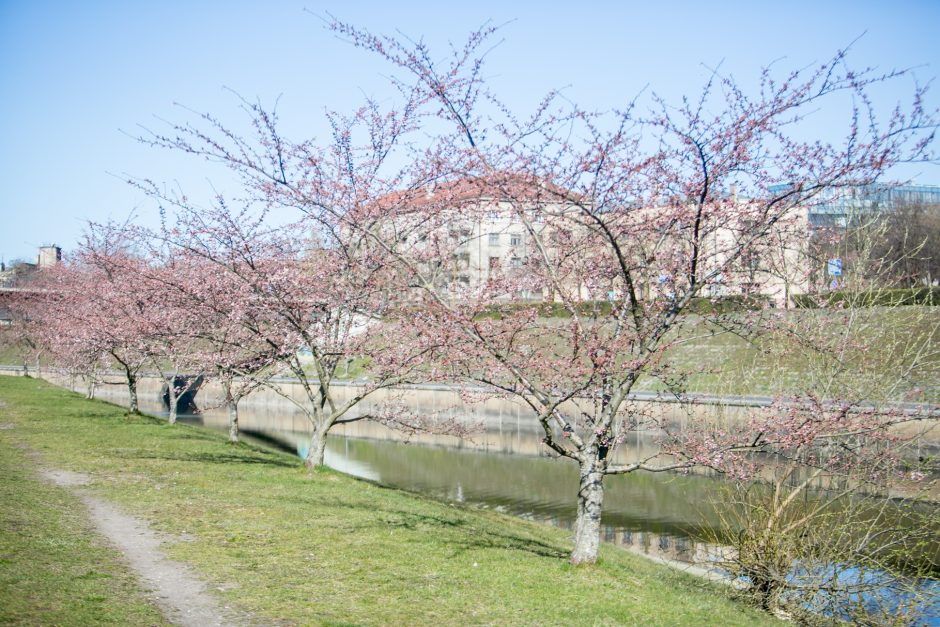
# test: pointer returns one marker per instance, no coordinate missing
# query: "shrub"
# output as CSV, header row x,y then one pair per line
x,y
894,297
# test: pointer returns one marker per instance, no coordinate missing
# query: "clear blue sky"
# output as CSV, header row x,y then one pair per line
x,y
74,75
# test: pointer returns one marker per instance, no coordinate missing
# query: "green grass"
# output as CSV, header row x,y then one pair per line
x,y
873,353
355,368
323,548
53,569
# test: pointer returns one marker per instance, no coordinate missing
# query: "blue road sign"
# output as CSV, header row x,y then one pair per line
x,y
834,267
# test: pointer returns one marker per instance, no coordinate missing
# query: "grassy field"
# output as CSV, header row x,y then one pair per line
x,y
871,353
290,546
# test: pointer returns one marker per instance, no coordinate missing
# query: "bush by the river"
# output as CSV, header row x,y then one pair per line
x,y
872,298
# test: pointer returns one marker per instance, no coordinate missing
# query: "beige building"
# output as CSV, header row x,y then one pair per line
x,y
49,256
488,237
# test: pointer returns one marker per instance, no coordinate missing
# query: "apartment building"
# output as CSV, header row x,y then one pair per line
x,y
509,233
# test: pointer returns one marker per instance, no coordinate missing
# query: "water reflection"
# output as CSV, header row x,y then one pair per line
x,y
654,514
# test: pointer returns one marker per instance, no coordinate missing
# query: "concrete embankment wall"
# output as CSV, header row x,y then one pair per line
x,y
508,424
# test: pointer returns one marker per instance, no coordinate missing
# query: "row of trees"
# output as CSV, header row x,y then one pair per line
x,y
903,240
632,208
231,300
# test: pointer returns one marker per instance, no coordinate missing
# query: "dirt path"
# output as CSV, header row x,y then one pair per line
x,y
180,595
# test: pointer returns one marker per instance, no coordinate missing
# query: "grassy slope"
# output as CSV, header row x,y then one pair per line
x,y
324,548
776,363
876,353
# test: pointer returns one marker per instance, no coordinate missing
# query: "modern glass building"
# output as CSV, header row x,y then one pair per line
x,y
838,207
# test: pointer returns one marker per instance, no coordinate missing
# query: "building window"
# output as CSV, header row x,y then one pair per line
x,y
494,239
515,239
494,263
515,262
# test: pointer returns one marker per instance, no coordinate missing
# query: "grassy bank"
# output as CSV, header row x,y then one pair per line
x,y
321,548
876,353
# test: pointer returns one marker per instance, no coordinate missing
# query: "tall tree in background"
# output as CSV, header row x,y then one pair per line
x,y
910,242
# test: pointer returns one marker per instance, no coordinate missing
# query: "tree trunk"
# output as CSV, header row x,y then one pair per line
x,y
232,404
232,420
316,450
587,534
765,591
172,398
132,405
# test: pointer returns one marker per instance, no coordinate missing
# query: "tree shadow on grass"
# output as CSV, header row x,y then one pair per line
x,y
215,458
464,535
475,538
193,435
512,542
140,419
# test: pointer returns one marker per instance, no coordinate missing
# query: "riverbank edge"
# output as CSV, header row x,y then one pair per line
x,y
514,553
688,398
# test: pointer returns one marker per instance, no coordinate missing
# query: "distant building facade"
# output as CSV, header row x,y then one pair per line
x,y
840,207
491,238
49,256
19,273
